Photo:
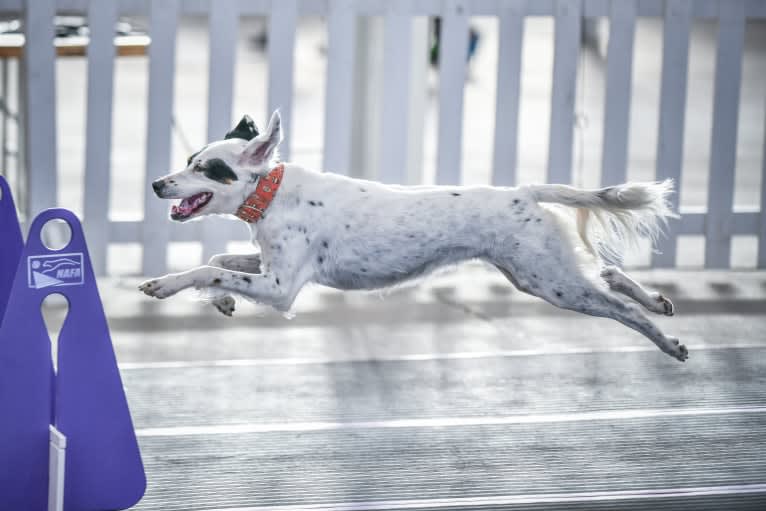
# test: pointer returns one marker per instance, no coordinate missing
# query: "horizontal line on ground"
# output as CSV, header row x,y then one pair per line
x,y
508,500
441,422
181,364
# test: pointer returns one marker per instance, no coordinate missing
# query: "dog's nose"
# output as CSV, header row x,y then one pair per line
x,y
158,186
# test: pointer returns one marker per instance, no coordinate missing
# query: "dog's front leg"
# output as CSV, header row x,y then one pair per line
x,y
266,288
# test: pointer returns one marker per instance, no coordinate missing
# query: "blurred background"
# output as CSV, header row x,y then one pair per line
x,y
349,123
586,92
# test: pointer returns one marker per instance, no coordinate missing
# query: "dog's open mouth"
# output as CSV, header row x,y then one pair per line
x,y
190,205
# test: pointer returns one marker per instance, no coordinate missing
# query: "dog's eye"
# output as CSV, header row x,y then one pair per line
x,y
189,160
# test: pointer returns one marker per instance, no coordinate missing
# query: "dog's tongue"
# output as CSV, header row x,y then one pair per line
x,y
187,205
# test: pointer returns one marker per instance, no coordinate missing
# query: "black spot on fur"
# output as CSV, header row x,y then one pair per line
x,y
604,192
324,244
308,241
534,275
538,220
320,259
526,219
247,279
216,281
362,190
312,203
320,203
289,227
363,270
276,280
559,294
188,162
515,201
217,170
455,194
348,226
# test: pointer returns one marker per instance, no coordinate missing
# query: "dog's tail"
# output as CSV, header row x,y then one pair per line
x,y
623,213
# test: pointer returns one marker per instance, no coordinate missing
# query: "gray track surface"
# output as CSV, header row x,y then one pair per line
x,y
457,394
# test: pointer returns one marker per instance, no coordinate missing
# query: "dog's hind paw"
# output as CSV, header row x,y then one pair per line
x,y
676,350
225,305
664,305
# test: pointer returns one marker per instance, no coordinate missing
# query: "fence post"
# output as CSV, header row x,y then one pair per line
x,y
162,52
567,53
102,15
510,42
670,139
394,121
619,73
282,32
223,25
39,102
341,38
762,231
723,142
453,59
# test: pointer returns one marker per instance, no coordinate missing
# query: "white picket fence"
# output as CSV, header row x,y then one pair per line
x,y
718,224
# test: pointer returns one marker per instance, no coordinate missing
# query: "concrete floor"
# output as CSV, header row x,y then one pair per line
x,y
458,393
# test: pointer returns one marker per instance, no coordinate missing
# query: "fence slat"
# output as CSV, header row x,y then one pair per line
x,y
224,24
102,15
761,233
39,99
567,52
619,72
723,152
341,39
394,121
510,41
453,52
282,24
162,53
670,139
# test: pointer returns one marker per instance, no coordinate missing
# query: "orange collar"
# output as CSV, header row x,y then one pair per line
x,y
255,205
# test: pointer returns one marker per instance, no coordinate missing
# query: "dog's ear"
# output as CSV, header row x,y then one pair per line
x,y
262,148
246,129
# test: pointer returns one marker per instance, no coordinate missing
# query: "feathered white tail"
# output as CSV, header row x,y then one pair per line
x,y
623,213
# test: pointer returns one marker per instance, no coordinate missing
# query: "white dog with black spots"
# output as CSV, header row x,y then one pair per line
x,y
550,241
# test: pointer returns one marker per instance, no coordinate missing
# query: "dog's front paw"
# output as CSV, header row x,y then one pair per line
x,y
225,305
159,288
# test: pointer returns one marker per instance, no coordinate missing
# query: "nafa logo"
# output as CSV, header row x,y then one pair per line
x,y
55,270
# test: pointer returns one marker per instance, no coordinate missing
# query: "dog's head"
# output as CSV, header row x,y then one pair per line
x,y
219,177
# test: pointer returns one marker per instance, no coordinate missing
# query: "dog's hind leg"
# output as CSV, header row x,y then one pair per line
x,y
550,270
597,302
620,282
573,291
248,263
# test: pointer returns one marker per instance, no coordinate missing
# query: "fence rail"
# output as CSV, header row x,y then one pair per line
x,y
718,223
